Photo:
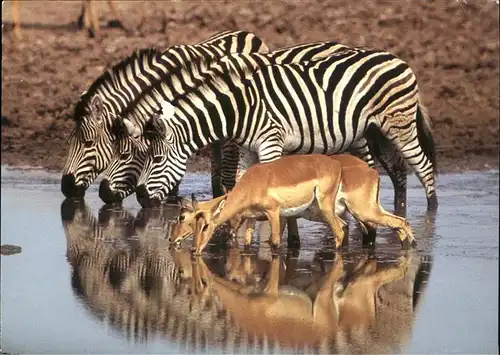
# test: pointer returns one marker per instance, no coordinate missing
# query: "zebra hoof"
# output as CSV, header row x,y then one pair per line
x,y
432,203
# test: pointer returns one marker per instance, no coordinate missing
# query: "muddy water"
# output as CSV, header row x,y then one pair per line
x,y
98,280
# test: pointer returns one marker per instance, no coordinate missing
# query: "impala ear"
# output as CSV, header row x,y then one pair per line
x,y
194,202
219,207
132,129
186,204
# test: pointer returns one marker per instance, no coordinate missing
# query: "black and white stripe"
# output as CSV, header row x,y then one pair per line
x,y
323,106
119,87
122,175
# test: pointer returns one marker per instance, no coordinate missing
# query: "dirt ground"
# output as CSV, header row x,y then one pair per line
x,y
453,46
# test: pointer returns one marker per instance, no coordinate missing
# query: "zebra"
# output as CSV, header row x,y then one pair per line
x,y
130,151
325,106
117,88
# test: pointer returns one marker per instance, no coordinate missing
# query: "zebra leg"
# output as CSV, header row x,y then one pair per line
x,y
405,134
230,159
216,169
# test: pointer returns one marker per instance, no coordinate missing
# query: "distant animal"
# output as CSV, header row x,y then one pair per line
x,y
308,186
87,19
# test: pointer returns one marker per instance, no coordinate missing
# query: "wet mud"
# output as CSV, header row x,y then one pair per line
x,y
453,46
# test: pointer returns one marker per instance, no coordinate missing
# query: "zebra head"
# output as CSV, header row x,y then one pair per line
x,y
165,163
129,153
89,150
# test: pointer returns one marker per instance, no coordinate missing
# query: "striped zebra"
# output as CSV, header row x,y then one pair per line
x,y
121,177
115,90
322,107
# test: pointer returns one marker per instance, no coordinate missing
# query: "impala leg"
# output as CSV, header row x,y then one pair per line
x,y
89,19
16,19
118,20
376,215
335,223
246,159
81,19
273,215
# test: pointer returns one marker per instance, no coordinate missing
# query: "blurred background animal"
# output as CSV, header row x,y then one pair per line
x,y
88,18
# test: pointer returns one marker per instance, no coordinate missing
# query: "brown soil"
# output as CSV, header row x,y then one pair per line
x,y
453,47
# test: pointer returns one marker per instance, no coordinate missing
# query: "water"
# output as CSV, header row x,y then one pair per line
x,y
92,280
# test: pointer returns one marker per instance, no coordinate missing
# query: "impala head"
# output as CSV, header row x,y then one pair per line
x,y
89,150
204,224
164,166
183,225
129,152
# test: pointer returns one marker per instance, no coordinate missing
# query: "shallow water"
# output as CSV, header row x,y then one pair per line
x,y
91,280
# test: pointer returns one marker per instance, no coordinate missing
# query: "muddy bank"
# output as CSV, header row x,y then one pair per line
x,y
453,47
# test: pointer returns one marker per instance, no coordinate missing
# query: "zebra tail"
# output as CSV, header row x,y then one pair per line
x,y
424,132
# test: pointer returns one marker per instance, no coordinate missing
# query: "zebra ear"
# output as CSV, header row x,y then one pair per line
x,y
194,202
96,106
132,129
159,126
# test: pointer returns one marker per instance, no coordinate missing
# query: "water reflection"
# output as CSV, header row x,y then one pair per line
x,y
125,275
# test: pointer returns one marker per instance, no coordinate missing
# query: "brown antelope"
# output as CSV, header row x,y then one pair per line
x,y
87,19
353,188
286,187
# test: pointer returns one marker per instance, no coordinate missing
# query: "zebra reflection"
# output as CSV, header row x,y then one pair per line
x,y
129,279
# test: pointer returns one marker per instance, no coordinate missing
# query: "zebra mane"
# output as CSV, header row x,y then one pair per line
x,y
83,105
221,82
190,67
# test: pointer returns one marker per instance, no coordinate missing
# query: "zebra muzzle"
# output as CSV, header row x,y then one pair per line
x,y
107,194
70,189
144,199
